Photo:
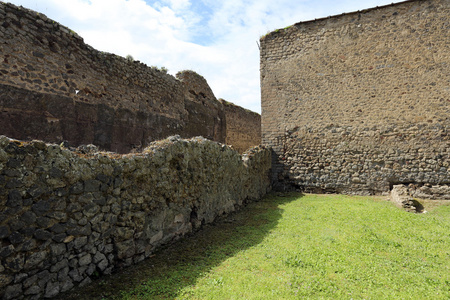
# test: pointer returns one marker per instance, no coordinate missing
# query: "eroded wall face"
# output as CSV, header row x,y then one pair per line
x,y
56,88
243,127
358,102
66,217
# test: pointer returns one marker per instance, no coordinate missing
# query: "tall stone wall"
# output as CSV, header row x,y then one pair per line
x,y
66,217
54,87
359,102
243,127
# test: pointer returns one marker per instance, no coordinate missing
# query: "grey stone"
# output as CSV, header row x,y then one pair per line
x,y
5,279
73,207
66,286
36,191
59,238
12,173
34,290
109,248
16,238
28,245
15,263
43,222
91,210
13,184
16,225
98,257
14,199
85,282
91,185
63,274
43,275
51,290
75,275
91,269
35,259
85,260
58,228
12,291
28,217
80,242
42,234
73,263
125,249
20,277
96,219
59,265
102,265
4,231
41,207
57,249
6,251
57,215
86,230
55,173
76,189
42,282
83,221
13,163
30,281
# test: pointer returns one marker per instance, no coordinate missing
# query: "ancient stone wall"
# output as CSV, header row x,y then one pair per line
x,y
242,126
54,87
359,102
66,217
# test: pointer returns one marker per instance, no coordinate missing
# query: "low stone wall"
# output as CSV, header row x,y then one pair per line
x,y
67,216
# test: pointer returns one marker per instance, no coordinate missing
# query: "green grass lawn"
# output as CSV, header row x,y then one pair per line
x,y
300,247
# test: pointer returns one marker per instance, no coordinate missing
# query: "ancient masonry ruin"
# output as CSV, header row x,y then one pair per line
x,y
356,103
360,102
68,214
56,88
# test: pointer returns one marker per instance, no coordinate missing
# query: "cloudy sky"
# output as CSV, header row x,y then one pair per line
x,y
216,38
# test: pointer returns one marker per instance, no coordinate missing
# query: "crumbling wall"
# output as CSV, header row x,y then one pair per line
x,y
359,102
56,88
243,127
66,217
200,102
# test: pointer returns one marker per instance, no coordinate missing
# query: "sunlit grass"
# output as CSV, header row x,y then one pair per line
x,y
307,247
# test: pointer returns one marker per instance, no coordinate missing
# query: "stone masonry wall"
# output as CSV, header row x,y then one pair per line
x,y
359,102
66,216
243,127
54,87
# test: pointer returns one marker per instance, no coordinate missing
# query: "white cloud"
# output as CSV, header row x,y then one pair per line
x,y
217,39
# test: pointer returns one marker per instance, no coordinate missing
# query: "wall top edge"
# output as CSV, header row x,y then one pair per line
x,y
276,32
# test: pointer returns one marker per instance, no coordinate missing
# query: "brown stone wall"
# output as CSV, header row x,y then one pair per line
x,y
360,101
243,127
200,102
54,87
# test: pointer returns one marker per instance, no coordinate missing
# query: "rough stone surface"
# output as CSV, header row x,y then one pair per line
x,y
359,102
56,88
242,129
130,205
401,197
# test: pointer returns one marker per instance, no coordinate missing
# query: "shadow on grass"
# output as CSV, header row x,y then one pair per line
x,y
182,263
